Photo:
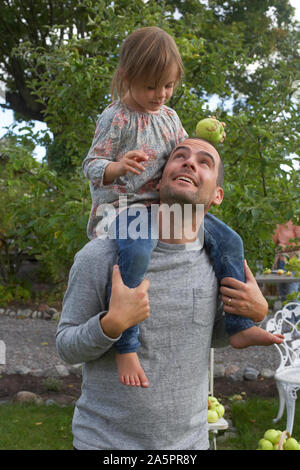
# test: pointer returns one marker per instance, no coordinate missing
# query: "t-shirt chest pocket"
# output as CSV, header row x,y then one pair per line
x,y
204,305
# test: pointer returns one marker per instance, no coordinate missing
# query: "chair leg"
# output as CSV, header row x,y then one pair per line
x,y
281,394
291,397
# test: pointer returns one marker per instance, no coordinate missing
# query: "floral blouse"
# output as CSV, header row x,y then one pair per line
x,y
119,130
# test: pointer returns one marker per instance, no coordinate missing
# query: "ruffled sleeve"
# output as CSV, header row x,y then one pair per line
x,y
105,147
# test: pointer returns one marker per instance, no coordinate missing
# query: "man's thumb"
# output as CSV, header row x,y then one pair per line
x,y
248,273
116,276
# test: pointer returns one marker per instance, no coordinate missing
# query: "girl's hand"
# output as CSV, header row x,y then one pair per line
x,y
131,162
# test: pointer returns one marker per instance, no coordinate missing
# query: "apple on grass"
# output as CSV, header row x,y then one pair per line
x,y
211,129
264,444
291,444
272,435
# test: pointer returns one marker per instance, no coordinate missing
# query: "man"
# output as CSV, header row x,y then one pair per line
x,y
179,314
283,236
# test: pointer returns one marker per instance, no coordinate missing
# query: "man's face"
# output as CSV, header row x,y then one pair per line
x,y
190,175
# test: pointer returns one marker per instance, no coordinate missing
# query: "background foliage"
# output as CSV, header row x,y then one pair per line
x,y
57,59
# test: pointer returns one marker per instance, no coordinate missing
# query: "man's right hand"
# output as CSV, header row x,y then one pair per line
x,y
127,307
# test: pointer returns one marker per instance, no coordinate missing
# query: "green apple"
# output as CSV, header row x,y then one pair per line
x,y
220,410
264,444
210,129
212,416
272,435
212,402
291,444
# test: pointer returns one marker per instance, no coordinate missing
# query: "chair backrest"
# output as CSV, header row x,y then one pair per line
x,y
287,322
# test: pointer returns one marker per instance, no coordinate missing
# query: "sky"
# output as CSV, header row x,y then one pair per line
x,y
6,116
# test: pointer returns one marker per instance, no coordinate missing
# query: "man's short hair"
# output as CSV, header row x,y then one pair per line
x,y
221,169
221,173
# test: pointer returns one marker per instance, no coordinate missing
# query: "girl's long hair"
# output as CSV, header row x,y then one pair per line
x,y
147,54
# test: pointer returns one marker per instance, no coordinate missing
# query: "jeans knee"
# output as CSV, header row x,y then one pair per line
x,y
234,246
141,257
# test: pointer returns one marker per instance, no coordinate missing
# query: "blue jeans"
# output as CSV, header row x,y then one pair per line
x,y
286,288
133,260
225,249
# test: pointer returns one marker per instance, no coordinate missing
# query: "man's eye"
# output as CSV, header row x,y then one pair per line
x,y
179,156
151,88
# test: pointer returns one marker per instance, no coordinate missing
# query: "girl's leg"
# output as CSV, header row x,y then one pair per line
x,y
226,251
133,258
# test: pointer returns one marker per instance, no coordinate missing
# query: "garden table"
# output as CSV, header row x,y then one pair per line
x,y
266,279
275,278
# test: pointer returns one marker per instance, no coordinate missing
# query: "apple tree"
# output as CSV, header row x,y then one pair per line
x,y
242,53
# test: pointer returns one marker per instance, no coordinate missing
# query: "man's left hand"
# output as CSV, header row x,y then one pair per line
x,y
246,298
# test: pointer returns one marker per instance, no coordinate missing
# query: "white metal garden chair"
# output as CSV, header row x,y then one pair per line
x,y
287,376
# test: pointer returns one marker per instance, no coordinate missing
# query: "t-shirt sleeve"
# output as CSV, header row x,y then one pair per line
x,y
79,336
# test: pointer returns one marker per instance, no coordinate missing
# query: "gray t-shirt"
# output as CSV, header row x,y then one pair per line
x,y
185,313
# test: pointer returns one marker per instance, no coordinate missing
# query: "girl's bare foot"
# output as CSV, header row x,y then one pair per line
x,y
130,370
254,336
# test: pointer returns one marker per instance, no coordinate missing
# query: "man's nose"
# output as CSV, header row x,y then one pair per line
x,y
190,163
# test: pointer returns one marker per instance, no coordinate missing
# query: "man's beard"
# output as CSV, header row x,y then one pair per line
x,y
169,195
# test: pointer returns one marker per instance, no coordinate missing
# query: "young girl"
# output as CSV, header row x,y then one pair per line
x,y
134,137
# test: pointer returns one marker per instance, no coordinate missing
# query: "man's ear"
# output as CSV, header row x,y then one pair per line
x,y
219,194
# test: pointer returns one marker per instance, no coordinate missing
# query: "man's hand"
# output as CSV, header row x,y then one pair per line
x,y
127,307
246,298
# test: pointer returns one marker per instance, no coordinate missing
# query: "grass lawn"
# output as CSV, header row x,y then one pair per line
x,y
252,418
35,427
40,427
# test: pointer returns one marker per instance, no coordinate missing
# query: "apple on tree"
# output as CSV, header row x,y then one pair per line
x,y
211,129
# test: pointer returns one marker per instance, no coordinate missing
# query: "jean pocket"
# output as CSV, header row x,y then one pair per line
x,y
205,305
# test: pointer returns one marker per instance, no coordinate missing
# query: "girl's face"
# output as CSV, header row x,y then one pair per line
x,y
144,97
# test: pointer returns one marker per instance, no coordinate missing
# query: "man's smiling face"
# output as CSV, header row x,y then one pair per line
x,y
190,175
